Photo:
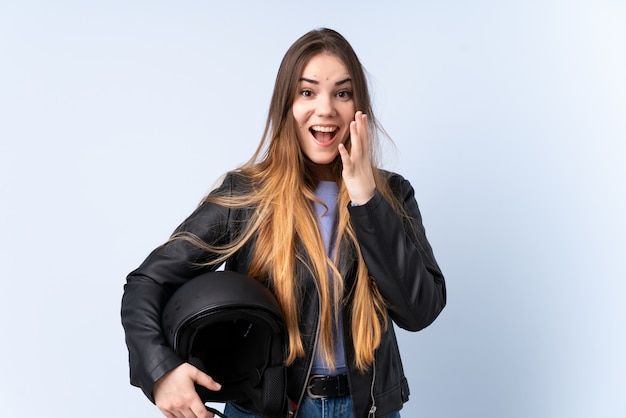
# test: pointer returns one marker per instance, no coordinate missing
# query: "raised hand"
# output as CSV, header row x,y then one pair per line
x,y
357,167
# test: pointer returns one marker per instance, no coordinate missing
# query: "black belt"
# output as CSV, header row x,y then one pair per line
x,y
327,386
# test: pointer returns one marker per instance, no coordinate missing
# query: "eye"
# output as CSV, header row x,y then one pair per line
x,y
344,94
306,93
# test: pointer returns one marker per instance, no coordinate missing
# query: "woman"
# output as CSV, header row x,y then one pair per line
x,y
338,241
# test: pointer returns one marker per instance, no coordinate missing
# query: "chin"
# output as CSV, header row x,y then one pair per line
x,y
323,159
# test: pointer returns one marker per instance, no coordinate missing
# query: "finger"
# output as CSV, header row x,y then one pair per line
x,y
355,132
364,134
360,148
172,414
199,410
345,157
185,404
169,411
191,413
181,411
206,381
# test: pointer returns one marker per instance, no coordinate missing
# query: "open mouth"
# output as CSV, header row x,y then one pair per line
x,y
323,134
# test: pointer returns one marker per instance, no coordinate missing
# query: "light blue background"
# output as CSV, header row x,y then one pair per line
x,y
509,118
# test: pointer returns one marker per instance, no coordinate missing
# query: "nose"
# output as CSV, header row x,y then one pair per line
x,y
325,106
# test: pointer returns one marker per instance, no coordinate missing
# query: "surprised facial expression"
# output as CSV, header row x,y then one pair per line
x,y
323,107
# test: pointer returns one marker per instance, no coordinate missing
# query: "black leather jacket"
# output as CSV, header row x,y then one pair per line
x,y
397,254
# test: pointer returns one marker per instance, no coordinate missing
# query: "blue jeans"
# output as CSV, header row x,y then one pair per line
x,y
309,408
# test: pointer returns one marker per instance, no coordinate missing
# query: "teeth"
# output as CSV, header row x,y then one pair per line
x,y
323,128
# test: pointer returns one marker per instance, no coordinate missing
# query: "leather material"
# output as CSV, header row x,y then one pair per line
x,y
396,252
328,386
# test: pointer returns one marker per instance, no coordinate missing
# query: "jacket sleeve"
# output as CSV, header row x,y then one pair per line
x,y
149,287
399,257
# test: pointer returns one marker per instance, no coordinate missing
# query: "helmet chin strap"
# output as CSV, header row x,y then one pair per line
x,y
215,411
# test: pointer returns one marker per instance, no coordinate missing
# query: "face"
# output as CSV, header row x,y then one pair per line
x,y
323,108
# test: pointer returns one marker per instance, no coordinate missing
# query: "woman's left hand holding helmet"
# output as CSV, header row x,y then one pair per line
x,y
357,168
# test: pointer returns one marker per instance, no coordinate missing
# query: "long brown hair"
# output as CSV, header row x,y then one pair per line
x,y
284,223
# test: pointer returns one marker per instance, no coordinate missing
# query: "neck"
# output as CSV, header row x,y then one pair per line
x,y
322,172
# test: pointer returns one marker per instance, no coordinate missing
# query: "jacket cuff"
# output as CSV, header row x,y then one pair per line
x,y
369,207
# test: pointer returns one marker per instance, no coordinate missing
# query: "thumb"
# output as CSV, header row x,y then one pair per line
x,y
205,380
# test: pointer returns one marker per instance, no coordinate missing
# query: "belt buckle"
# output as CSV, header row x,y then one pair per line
x,y
310,385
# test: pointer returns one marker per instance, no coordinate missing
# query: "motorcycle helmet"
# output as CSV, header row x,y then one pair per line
x,y
231,327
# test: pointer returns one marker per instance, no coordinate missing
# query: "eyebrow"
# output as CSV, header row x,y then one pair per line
x,y
338,83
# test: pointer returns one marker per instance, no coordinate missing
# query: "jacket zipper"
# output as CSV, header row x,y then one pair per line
x,y
317,337
372,412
